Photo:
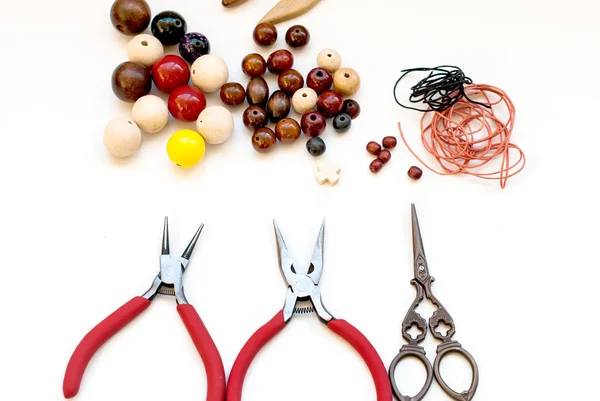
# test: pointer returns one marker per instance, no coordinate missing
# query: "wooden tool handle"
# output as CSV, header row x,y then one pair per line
x,y
228,3
287,9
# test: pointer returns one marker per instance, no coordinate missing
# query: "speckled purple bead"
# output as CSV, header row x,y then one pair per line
x,y
193,45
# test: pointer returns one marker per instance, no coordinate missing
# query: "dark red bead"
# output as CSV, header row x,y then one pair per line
x,y
170,72
265,34
254,65
264,139
232,94
352,108
287,130
278,106
186,103
384,155
130,16
290,81
255,117
279,61
389,142
313,123
257,91
131,81
415,172
297,36
330,103
376,165
319,80
373,148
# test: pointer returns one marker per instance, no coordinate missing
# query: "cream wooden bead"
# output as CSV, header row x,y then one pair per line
x,y
304,100
150,113
215,124
209,73
346,81
145,50
122,137
329,59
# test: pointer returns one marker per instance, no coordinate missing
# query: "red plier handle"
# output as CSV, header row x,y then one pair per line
x,y
340,327
215,374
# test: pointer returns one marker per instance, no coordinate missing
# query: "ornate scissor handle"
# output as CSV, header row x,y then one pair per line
x,y
405,352
442,351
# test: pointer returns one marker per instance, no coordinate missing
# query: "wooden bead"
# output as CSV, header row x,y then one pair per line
x,y
330,103
304,100
145,50
389,142
346,81
313,123
415,172
130,16
384,155
264,140
255,117
265,34
287,130
232,94
329,60
290,81
131,81
373,148
257,91
169,27
375,166
297,36
319,80
215,124
352,108
209,73
170,72
122,137
254,65
279,61
150,113
278,106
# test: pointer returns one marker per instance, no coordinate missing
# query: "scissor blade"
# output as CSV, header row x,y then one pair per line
x,y
316,264
165,239
187,254
285,259
420,262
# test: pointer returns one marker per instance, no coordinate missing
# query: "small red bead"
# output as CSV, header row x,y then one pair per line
x,y
352,108
373,148
170,72
389,142
313,123
279,61
376,165
186,103
319,80
330,103
415,172
384,155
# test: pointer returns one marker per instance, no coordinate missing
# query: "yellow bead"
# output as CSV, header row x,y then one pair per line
x,y
186,148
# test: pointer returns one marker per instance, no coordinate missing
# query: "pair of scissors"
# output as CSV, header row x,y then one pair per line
x,y
422,282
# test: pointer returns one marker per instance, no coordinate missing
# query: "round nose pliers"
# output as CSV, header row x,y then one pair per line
x,y
305,287
169,281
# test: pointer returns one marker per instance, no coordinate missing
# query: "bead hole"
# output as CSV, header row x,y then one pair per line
x,y
329,55
121,28
130,122
255,112
144,43
319,74
347,75
313,117
304,95
342,118
177,23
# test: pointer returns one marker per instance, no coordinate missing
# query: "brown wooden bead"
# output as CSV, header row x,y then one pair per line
x,y
313,123
373,148
319,79
287,130
130,16
265,34
346,81
257,91
233,94
131,81
278,106
415,172
330,103
352,108
375,166
255,117
264,140
297,36
290,81
384,155
279,61
254,65
389,142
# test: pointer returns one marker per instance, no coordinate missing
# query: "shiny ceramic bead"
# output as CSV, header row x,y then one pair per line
x,y
150,113
186,103
375,166
145,50
122,138
297,36
193,45
215,124
351,107
255,117
373,148
319,79
264,140
265,34
346,81
278,106
257,92
329,60
254,65
279,61
170,72
186,148
342,123
209,73
389,142
316,146
384,155
169,27
330,103
287,130
304,100
415,172
130,16
313,123
131,81
290,81
232,94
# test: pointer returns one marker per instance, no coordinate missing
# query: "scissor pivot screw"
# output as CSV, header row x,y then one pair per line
x,y
421,268
302,286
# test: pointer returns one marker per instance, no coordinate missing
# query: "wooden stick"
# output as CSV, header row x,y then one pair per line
x,y
288,9
227,3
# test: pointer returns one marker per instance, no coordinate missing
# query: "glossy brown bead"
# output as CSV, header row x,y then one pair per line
x,y
257,92
265,34
376,165
330,103
233,94
264,140
130,16
297,36
319,80
415,172
255,117
313,123
389,142
384,155
352,108
290,81
278,106
254,65
373,148
279,61
287,130
131,81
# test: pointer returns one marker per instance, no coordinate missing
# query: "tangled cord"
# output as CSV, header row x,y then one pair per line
x,y
462,134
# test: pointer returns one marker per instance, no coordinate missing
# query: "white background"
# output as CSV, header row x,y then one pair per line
x,y
517,268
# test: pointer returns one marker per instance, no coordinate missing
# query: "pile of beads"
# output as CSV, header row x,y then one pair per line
x,y
383,155
315,103
132,82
